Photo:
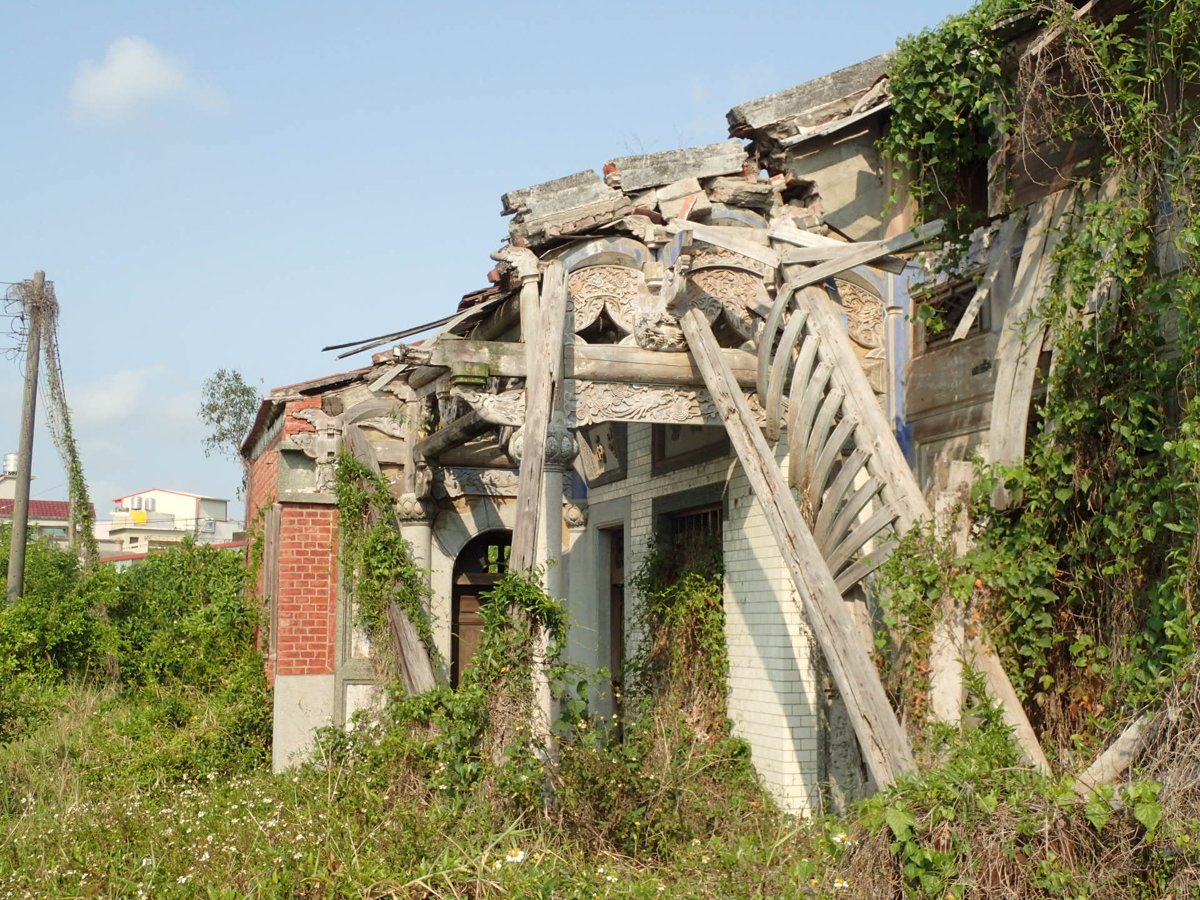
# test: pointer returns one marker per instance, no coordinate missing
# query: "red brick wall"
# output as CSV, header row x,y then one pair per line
x,y
307,601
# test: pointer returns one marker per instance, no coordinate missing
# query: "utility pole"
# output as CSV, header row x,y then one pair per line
x,y
34,308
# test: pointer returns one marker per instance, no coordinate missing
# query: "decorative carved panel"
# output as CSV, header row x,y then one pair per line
x,y
505,408
864,324
612,402
464,482
619,289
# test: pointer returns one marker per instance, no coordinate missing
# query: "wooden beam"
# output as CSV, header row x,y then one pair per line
x,y
592,362
781,230
541,386
884,744
866,254
457,432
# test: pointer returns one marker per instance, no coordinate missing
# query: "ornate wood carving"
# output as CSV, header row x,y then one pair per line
x,y
619,289
465,482
505,408
864,321
735,291
611,402
385,424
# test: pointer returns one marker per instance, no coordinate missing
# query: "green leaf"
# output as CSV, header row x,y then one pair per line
x,y
900,821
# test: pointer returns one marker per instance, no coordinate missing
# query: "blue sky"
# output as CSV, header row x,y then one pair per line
x,y
237,184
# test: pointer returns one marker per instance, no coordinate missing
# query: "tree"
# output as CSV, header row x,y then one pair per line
x,y
228,406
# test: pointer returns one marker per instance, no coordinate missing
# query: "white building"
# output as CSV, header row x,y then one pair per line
x,y
158,517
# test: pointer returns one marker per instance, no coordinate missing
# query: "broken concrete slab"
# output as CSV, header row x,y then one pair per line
x,y
634,173
569,192
742,192
810,103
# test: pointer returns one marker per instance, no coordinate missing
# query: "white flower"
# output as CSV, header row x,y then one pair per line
x,y
183,879
515,855
840,884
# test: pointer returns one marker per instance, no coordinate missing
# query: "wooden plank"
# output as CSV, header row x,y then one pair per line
x,y
541,385
857,539
846,476
766,337
999,258
809,403
818,471
828,253
875,433
830,407
883,742
855,573
779,370
834,532
728,238
988,664
782,230
801,374
867,253
1023,333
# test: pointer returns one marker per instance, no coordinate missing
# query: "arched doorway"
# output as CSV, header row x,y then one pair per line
x,y
480,564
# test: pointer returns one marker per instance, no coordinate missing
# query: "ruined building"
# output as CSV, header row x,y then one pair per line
x,y
716,340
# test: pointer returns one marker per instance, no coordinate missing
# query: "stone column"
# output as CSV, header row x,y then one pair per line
x,y
560,452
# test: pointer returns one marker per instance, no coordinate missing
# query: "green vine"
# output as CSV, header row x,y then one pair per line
x,y
377,561
682,661
949,101
1090,575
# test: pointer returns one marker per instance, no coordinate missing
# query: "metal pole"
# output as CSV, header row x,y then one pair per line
x,y
33,347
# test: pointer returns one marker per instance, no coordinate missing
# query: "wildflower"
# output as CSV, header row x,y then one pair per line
x,y
515,855
183,879
497,864
661,887
840,884
840,838
695,842
704,859
204,856
610,878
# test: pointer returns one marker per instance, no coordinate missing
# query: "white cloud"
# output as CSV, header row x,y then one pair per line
x,y
112,400
134,77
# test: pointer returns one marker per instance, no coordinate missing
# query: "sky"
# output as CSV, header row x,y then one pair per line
x,y
238,184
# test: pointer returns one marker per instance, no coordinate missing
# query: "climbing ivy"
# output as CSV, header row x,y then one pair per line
x,y
377,561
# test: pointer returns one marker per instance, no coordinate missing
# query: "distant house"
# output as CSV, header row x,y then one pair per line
x,y
47,518
157,518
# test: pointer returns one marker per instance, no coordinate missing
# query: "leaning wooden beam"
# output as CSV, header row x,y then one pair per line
x,y
1121,754
884,744
542,384
781,230
988,664
817,274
